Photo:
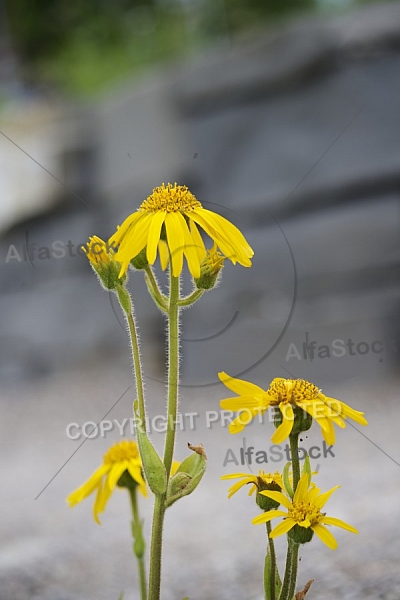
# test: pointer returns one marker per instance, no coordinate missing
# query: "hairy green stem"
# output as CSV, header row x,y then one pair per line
x,y
154,290
173,378
127,306
191,299
272,565
294,451
289,580
139,543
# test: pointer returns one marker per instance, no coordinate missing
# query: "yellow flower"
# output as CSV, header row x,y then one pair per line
x,y
303,517
167,221
287,394
259,482
121,459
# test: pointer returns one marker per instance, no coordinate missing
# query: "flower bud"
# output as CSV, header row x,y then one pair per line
x,y
210,268
102,262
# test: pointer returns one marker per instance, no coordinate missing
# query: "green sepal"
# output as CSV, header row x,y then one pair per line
x,y
267,578
187,476
121,596
153,467
140,261
300,535
286,480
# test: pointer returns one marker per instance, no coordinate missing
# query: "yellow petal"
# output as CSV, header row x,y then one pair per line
x,y
238,485
239,403
197,240
88,487
281,528
322,499
239,386
278,497
267,516
115,473
190,251
325,536
164,254
175,241
338,523
154,235
301,489
243,419
284,429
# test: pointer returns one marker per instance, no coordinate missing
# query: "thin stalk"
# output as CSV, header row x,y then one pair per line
x,y
289,580
139,544
159,298
192,298
272,565
127,307
173,377
137,367
294,451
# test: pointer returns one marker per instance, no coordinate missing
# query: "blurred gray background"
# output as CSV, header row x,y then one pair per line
x,y
282,117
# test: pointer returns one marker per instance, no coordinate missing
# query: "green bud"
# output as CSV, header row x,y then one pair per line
x,y
301,535
140,261
139,545
264,502
187,476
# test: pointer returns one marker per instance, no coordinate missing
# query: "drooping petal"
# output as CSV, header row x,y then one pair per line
x,y
238,485
197,240
338,523
190,251
115,473
278,497
237,476
284,429
242,420
88,487
175,241
154,235
164,254
283,527
325,536
123,229
347,411
103,496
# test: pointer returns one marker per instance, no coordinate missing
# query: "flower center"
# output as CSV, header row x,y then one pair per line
x,y
125,450
292,390
301,511
171,198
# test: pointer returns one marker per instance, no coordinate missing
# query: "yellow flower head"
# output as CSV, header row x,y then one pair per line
x,y
289,395
259,482
122,459
167,222
303,517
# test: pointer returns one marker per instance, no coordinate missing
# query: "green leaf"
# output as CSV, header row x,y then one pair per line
x,y
153,466
286,480
267,578
307,468
187,476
